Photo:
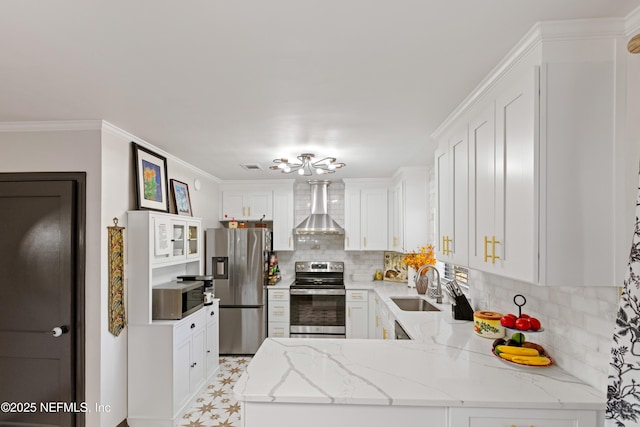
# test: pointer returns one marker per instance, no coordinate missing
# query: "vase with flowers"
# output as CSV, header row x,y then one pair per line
x,y
416,259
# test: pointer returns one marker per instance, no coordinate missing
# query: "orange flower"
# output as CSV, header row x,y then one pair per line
x,y
423,257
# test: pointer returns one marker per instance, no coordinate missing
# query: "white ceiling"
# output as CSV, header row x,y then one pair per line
x,y
220,83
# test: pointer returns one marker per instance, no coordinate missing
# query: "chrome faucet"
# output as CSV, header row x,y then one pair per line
x,y
438,294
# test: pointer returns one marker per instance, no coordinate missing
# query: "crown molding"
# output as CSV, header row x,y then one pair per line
x,y
578,29
51,126
116,131
632,23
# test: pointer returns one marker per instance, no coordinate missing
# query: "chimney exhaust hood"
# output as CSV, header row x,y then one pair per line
x,y
319,222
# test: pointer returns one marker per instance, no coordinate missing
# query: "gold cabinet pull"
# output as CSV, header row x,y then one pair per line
x,y
377,321
349,311
494,242
486,244
364,239
444,245
249,211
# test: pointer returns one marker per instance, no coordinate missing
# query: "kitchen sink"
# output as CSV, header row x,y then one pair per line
x,y
413,304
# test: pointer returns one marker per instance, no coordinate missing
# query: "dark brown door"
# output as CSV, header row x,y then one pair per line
x,y
38,272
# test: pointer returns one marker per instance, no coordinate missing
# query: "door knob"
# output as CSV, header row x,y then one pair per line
x,y
59,330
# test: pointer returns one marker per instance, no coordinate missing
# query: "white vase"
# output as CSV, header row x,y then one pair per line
x,y
411,277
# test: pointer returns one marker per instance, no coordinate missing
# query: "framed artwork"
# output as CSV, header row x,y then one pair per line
x,y
181,199
151,179
394,269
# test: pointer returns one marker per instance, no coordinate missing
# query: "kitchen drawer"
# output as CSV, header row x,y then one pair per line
x,y
496,417
278,330
278,294
278,311
189,325
357,295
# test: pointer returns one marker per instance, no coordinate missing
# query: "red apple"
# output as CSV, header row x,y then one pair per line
x,y
508,321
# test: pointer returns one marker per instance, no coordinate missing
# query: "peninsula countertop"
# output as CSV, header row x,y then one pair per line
x,y
445,364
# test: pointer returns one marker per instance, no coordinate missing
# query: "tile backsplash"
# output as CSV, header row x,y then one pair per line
x,y
578,322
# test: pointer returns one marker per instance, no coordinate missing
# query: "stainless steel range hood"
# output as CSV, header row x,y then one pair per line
x,y
319,222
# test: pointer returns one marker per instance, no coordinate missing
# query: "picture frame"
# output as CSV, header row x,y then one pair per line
x,y
394,269
151,179
181,197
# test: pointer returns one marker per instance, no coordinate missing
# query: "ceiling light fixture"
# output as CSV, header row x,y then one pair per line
x,y
307,165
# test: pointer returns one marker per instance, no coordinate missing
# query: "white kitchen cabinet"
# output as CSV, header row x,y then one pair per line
x,y
174,239
246,205
396,216
502,172
278,313
166,358
166,369
492,417
366,211
452,191
546,162
212,347
283,220
357,321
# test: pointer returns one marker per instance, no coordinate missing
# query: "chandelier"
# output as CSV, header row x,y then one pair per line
x,y
307,165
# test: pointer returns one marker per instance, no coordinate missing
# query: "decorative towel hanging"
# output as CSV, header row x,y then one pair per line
x,y
623,391
117,318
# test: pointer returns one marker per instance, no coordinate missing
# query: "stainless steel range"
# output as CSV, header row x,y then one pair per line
x,y
317,302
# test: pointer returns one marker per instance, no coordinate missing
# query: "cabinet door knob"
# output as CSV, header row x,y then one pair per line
x,y
193,325
212,313
193,365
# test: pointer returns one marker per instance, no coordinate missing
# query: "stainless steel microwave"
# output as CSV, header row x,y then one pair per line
x,y
176,300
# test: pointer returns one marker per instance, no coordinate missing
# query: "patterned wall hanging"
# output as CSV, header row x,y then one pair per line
x,y
623,391
117,318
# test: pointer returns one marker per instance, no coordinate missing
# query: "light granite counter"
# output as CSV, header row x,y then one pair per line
x,y
444,365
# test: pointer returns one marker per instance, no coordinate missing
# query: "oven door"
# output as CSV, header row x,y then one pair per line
x,y
317,313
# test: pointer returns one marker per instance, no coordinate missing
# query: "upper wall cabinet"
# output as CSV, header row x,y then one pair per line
x,y
408,215
501,169
247,205
546,159
365,215
452,190
283,220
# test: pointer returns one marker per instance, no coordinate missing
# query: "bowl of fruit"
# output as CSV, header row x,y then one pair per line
x,y
521,322
518,351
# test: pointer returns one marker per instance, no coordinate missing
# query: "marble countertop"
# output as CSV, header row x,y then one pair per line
x,y
445,364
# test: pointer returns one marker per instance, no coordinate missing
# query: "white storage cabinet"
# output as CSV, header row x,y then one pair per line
x,y
283,220
366,211
357,321
278,313
542,153
167,359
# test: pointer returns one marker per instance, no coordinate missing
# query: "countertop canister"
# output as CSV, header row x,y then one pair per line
x,y
487,324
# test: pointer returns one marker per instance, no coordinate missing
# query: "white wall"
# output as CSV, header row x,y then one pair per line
x,y
69,151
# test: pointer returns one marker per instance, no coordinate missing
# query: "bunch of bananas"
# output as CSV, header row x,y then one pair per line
x,y
522,355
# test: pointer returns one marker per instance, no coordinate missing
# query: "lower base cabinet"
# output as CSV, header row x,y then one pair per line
x,y
496,417
278,313
212,350
341,415
169,364
357,321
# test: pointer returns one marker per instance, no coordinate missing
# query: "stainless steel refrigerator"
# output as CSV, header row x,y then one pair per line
x,y
237,258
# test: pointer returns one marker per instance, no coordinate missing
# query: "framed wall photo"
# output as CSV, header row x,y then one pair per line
x,y
181,199
151,179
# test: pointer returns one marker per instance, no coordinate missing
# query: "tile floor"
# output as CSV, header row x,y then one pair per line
x,y
216,407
